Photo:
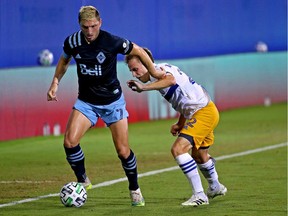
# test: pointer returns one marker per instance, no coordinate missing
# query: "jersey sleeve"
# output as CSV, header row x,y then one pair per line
x,y
122,45
128,46
67,51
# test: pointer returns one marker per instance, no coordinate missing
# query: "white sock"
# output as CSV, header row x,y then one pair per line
x,y
189,168
209,172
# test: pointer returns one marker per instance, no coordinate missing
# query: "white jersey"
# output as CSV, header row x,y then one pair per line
x,y
186,96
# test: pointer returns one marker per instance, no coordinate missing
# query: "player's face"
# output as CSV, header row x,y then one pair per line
x,y
138,70
91,28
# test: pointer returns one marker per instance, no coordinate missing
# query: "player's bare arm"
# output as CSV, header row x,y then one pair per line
x,y
164,82
177,127
135,85
145,59
61,69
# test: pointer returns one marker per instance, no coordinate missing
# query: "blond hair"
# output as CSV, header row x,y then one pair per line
x,y
88,13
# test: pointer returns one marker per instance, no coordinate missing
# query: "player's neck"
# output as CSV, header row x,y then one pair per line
x,y
88,42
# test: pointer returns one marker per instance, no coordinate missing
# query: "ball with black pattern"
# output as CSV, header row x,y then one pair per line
x,y
73,194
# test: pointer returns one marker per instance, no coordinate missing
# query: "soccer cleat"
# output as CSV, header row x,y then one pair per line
x,y
219,191
137,198
87,184
196,200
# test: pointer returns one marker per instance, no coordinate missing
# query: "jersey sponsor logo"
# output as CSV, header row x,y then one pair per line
x,y
96,71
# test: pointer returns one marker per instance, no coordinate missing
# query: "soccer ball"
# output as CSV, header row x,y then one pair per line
x,y
261,47
73,194
45,58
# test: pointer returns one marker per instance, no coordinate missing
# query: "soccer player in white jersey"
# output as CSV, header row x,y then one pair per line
x,y
194,128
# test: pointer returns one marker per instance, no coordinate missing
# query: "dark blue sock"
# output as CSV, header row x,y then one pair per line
x,y
130,167
75,158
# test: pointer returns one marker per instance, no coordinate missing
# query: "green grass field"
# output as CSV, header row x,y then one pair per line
x,y
256,182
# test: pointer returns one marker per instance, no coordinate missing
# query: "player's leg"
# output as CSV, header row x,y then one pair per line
x,y
77,125
119,132
180,150
208,119
115,116
207,167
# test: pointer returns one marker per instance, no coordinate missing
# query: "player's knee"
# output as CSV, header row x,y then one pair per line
x,y
200,156
197,159
178,149
123,152
70,141
173,152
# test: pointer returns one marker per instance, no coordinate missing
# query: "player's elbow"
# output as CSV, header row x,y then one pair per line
x,y
171,79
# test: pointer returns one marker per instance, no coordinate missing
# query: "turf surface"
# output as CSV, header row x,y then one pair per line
x,y
257,183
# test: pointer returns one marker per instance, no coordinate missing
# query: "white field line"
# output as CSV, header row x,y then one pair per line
x,y
107,183
25,182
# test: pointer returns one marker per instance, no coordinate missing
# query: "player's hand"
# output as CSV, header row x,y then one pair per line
x,y
175,129
135,86
51,94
